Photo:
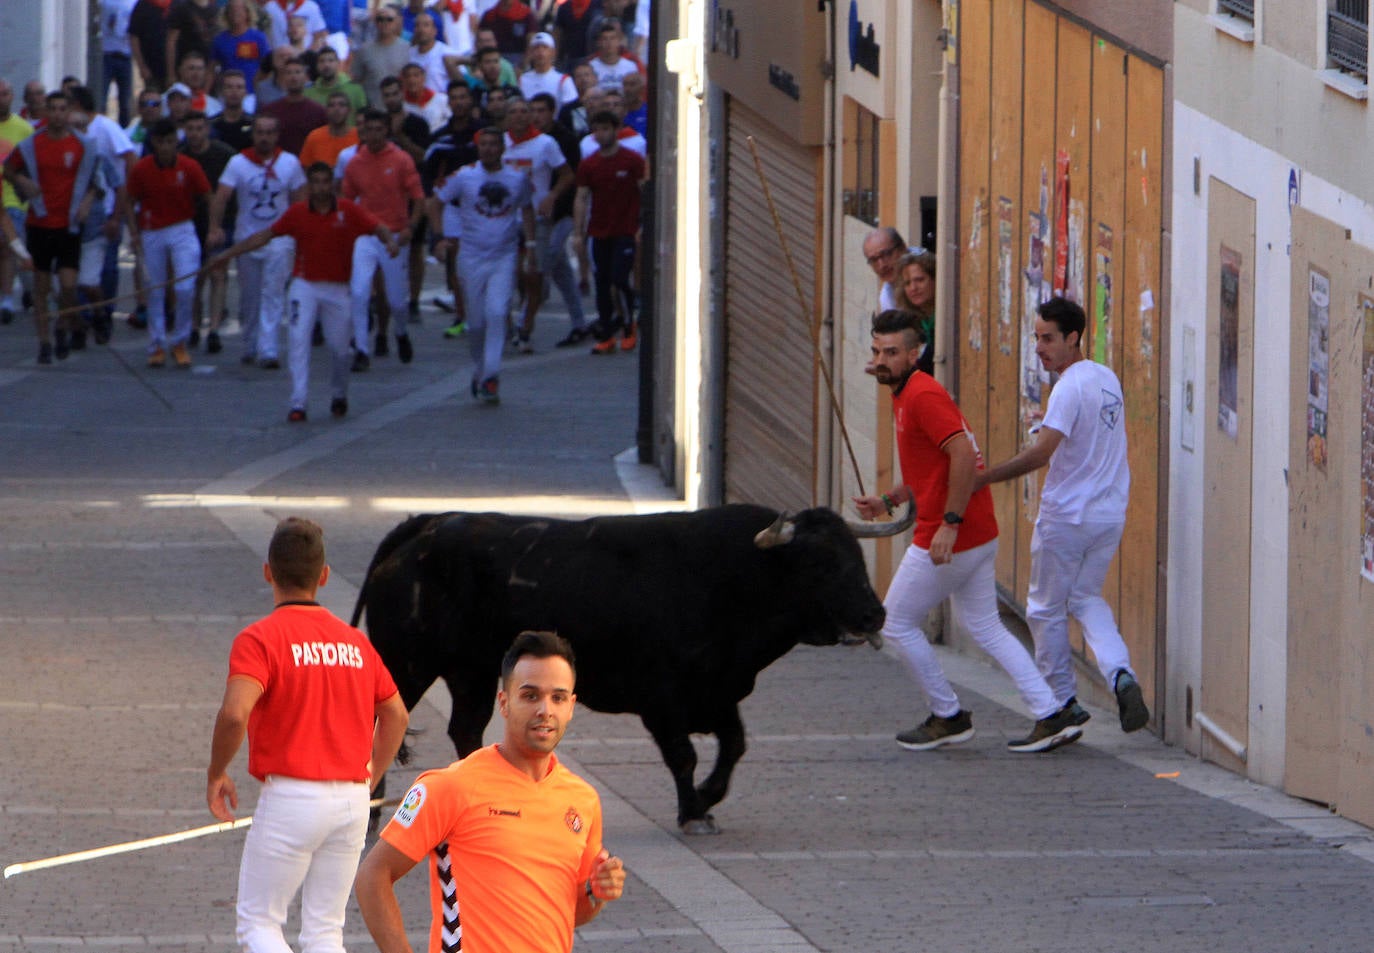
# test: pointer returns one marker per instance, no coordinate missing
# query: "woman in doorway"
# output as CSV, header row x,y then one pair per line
x,y
916,293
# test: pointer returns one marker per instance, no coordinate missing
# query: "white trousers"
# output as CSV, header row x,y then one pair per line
x,y
1068,567
969,582
369,254
487,283
329,302
306,836
179,243
262,295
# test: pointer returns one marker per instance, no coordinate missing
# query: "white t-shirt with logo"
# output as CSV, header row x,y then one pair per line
x,y
263,189
538,157
489,209
612,75
1089,479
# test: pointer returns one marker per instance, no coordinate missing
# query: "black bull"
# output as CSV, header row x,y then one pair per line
x,y
671,616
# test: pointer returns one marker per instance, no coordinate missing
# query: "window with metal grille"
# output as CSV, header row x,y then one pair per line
x,y
1240,9
1347,36
860,196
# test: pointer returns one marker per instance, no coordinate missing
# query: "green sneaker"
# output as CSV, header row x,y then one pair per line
x,y
456,330
936,731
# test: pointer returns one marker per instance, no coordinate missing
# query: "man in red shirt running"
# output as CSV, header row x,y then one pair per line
x,y
323,720
608,182
952,550
54,170
325,229
167,188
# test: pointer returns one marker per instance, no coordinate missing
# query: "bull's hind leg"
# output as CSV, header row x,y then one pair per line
x,y
729,732
472,705
681,759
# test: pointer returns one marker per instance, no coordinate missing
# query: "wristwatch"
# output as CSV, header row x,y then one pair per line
x,y
953,519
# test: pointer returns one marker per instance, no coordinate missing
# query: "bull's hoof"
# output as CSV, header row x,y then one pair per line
x,y
700,825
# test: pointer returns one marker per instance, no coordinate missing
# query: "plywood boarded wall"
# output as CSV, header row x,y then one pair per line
x,y
1060,160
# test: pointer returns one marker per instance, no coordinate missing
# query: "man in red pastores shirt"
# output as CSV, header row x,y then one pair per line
x,y
325,229
166,187
608,181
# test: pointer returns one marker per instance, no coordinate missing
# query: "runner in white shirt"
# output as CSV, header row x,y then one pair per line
x,y
610,64
279,14
537,155
493,208
1082,513
266,180
541,77
438,60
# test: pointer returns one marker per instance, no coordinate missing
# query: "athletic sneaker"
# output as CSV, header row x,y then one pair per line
x,y
296,416
139,319
403,349
195,337
1078,714
456,330
61,348
157,357
523,345
380,347
338,407
6,314
1130,702
361,362
180,356
1049,733
935,732
605,347
629,336
443,304
79,339
212,343
489,392
270,364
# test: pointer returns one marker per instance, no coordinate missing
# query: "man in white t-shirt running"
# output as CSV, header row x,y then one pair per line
x,y
1082,513
538,155
266,180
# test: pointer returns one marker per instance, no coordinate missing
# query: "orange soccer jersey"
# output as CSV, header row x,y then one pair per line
x,y
512,854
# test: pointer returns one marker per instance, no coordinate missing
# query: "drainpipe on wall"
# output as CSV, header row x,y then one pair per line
x,y
947,226
829,459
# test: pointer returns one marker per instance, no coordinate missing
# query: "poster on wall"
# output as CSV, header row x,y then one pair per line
x,y
1102,296
1228,345
1006,208
1318,364
1061,225
1367,442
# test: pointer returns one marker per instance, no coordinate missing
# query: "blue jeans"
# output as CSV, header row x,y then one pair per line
x,y
119,69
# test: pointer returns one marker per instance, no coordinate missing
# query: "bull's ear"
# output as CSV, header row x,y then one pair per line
x,y
779,533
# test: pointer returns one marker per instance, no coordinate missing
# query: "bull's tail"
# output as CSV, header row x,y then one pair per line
x,y
394,540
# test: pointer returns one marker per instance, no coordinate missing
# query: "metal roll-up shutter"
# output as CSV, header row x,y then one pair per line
x,y
770,383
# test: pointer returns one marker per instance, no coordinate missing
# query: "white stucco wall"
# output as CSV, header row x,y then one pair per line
x,y
42,39
1263,175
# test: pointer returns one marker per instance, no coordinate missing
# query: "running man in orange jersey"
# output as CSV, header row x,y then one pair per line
x,y
507,829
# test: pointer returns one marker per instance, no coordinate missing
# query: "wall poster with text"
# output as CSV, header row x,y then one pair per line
x,y
1318,364
1228,345
1367,441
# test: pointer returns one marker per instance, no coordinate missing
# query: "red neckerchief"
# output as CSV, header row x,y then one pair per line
x,y
579,7
422,98
198,101
288,6
626,132
251,154
455,7
529,134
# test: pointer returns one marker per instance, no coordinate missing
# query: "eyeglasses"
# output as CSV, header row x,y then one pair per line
x,y
885,253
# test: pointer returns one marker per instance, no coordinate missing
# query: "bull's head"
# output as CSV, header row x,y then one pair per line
x,y
831,569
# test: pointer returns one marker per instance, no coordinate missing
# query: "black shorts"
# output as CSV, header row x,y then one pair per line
x,y
53,248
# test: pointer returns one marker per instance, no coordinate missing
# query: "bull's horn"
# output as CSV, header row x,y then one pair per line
x,y
779,533
866,530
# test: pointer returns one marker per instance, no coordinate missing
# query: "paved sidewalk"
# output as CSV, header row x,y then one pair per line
x,y
135,508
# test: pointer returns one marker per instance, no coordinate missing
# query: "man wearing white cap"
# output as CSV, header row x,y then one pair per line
x,y
541,77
